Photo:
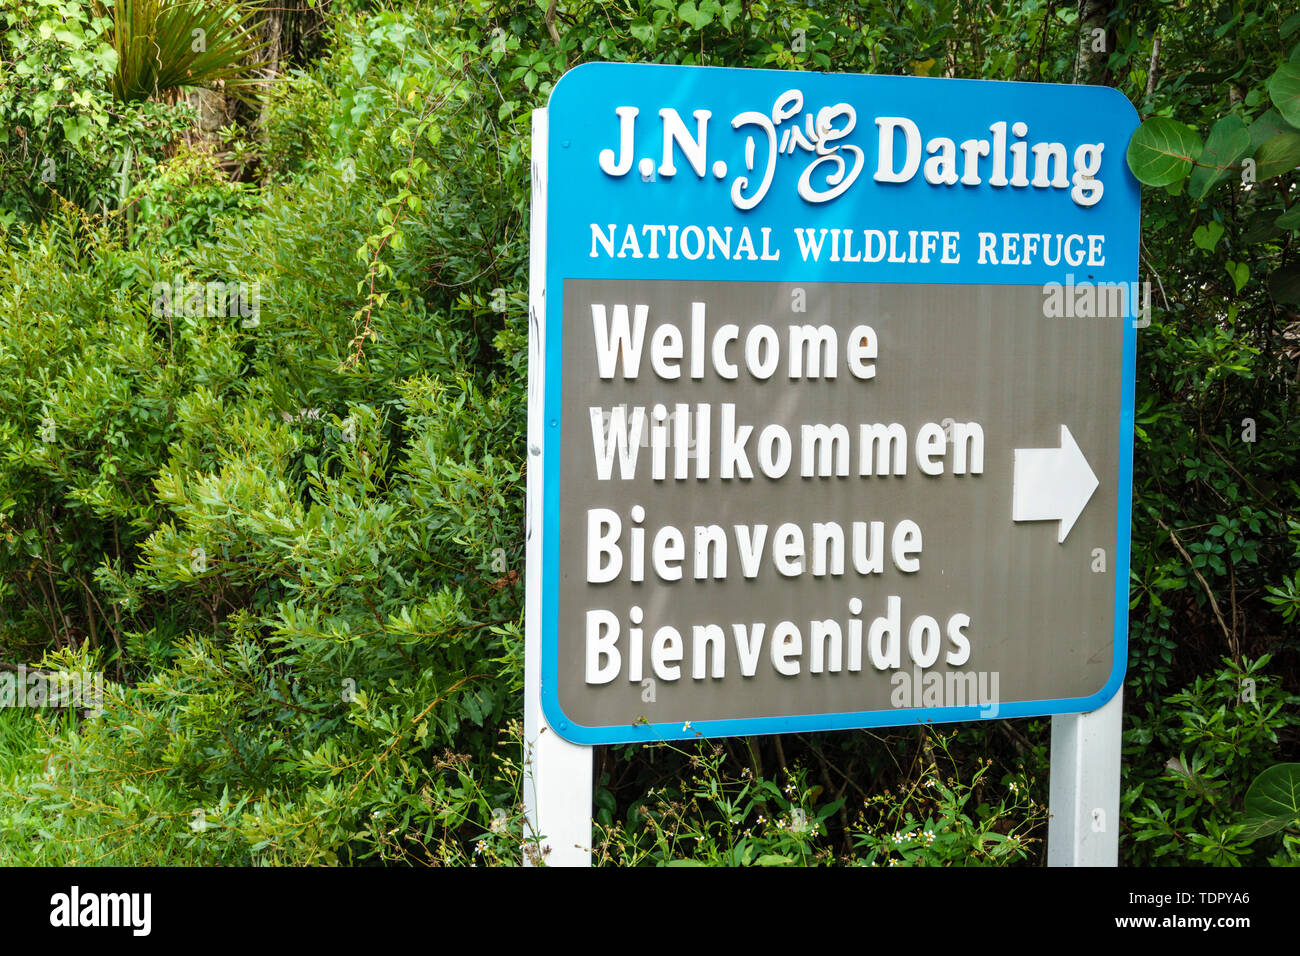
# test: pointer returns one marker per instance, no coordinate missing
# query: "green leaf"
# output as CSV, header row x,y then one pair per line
x,y
1290,219
1265,127
1284,91
1260,227
1284,285
1207,236
1212,78
773,859
75,129
1162,151
698,19
1279,155
642,31
1240,273
1273,801
164,46
1227,143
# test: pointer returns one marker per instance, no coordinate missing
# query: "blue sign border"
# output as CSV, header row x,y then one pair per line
x,y
574,182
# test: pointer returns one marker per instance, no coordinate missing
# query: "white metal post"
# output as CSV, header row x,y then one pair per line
x,y
1083,789
557,773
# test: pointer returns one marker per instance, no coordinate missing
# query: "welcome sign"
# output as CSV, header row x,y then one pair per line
x,y
837,401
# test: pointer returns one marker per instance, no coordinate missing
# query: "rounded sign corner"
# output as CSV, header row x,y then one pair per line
x,y
1112,687
576,75
560,722
1119,103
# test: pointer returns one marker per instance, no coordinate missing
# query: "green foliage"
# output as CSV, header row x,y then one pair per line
x,y
62,134
1286,596
715,814
1228,141
1273,801
1163,151
1212,739
711,818
287,564
162,45
945,822
293,540
1215,542
1284,91
186,201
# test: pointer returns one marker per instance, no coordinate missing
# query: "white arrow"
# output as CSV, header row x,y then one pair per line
x,y
1052,484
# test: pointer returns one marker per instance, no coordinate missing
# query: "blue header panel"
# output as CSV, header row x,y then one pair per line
x,y
639,154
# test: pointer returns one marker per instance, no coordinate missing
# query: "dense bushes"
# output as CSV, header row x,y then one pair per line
x,y
285,556
292,535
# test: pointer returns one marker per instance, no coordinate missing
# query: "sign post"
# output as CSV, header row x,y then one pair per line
x,y
557,772
830,411
1083,795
